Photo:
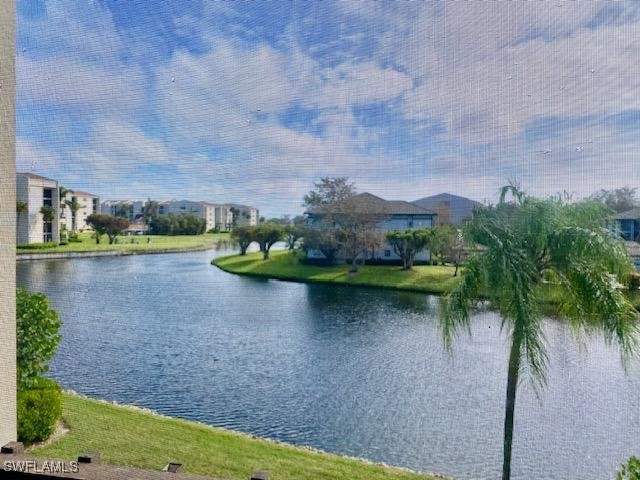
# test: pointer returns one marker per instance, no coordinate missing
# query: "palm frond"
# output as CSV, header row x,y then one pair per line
x,y
456,306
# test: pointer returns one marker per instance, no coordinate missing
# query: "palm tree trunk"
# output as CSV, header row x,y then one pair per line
x,y
512,385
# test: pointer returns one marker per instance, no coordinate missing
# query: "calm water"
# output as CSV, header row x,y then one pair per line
x,y
354,371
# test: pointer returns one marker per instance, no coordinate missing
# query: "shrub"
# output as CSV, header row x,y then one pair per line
x,y
37,336
74,238
36,246
630,470
39,408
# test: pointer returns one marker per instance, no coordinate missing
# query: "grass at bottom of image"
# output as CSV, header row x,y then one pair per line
x,y
131,437
286,266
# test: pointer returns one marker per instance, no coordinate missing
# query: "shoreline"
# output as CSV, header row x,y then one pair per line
x,y
23,256
204,449
237,265
437,280
291,279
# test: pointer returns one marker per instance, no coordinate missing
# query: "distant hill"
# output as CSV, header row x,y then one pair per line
x,y
451,209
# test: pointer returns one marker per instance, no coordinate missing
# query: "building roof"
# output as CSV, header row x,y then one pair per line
x,y
459,208
80,193
36,177
374,204
633,214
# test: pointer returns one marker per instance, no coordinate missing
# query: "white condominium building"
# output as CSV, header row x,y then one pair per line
x,y
85,204
38,209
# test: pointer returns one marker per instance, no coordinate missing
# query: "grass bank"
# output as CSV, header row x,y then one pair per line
x,y
423,278
131,437
285,266
134,243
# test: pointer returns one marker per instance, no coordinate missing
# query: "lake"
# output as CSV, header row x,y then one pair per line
x,y
359,372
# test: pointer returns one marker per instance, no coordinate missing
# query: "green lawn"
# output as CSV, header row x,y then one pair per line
x,y
285,266
133,438
141,243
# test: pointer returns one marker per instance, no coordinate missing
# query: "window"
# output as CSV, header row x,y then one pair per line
x,y
387,253
47,197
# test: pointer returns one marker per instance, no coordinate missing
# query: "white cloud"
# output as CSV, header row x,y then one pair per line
x,y
69,82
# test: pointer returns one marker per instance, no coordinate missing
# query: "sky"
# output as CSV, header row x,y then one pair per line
x,y
251,102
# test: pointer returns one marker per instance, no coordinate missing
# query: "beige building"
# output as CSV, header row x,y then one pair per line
x,y
223,218
88,204
201,209
131,209
245,215
36,196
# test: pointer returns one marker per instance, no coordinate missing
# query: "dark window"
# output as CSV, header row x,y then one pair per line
x,y
47,232
387,253
47,197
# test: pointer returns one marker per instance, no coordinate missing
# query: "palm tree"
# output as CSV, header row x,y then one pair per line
x,y
534,252
74,206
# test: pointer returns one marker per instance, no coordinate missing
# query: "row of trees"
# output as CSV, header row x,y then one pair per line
x,y
266,235
181,224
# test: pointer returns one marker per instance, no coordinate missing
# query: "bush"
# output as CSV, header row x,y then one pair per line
x,y
630,470
37,336
36,246
39,408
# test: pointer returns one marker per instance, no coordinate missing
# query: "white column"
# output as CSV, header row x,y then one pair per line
x,y
7,223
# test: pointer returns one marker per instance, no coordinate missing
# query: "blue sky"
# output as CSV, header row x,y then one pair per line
x,y
252,101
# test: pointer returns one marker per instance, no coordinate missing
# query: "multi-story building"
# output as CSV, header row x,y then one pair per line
x,y
38,202
130,209
244,215
388,215
86,204
223,218
451,209
201,209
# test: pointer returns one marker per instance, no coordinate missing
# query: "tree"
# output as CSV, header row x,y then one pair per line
x,y
21,207
408,244
329,191
322,237
266,235
36,334
150,211
107,224
244,237
358,235
454,249
178,224
283,220
63,192
74,206
124,210
48,213
292,233
529,247
630,470
620,199
443,240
